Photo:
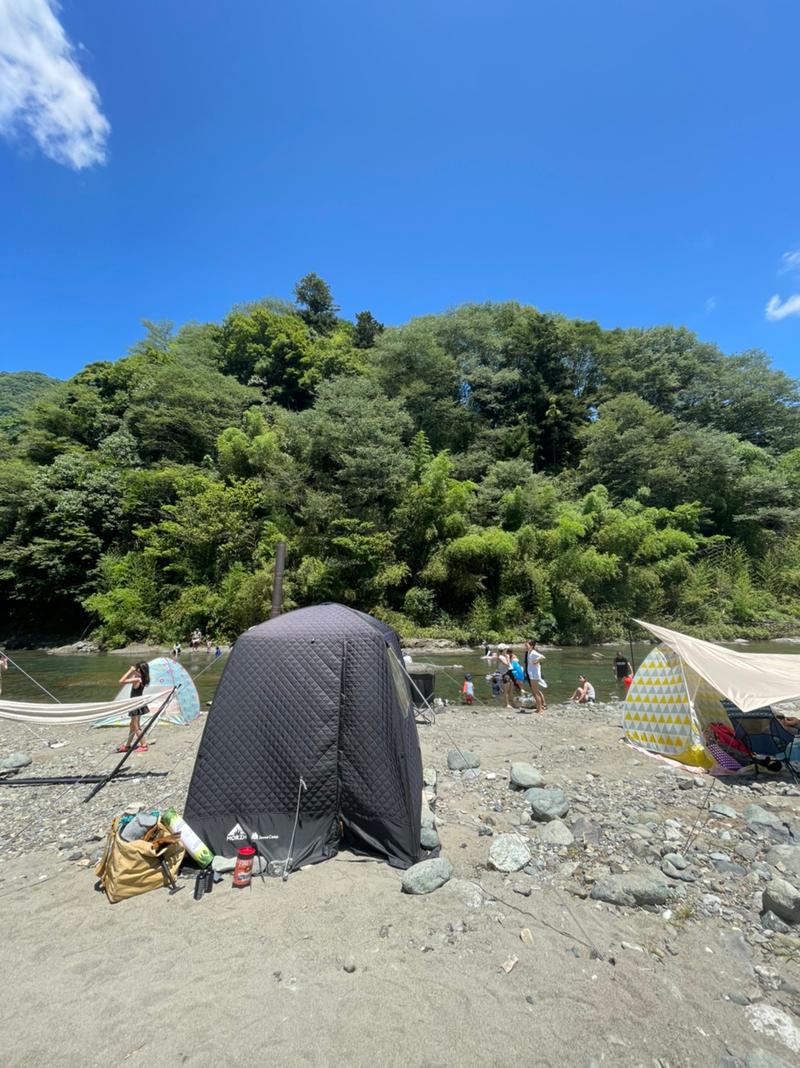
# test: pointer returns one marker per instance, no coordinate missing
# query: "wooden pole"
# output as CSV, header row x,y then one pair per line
x,y
277,582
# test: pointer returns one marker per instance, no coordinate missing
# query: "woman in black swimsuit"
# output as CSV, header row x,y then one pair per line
x,y
139,677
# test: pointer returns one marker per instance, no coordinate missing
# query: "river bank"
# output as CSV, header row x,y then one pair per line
x,y
532,966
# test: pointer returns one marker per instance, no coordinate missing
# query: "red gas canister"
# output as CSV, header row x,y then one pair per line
x,y
243,869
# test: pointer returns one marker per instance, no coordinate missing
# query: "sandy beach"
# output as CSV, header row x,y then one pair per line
x,y
169,980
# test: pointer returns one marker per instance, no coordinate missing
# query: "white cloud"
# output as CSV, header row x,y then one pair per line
x,y
777,309
790,261
43,90
711,304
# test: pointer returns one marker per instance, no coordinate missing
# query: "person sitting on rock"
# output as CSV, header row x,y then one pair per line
x,y
584,694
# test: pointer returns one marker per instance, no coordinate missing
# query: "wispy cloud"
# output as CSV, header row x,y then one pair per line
x,y
42,89
711,304
790,261
777,309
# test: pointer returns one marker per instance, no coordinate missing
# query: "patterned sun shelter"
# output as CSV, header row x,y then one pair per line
x,y
679,689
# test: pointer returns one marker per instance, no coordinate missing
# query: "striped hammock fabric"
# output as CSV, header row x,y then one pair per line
x,y
50,715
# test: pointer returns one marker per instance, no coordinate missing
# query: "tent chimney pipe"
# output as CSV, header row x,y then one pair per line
x,y
277,581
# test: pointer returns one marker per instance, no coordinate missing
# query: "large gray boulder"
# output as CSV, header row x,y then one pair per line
x,y
461,759
14,761
549,804
782,898
427,876
508,852
632,888
524,776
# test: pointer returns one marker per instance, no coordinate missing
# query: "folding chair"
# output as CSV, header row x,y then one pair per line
x,y
767,741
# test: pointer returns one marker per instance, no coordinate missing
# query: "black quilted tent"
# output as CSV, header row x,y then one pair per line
x,y
318,694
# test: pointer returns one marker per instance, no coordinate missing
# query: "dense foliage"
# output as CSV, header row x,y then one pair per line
x,y
489,471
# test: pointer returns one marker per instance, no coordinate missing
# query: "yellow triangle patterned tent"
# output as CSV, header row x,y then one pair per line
x,y
678,690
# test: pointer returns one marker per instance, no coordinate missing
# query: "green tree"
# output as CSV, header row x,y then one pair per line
x,y
315,301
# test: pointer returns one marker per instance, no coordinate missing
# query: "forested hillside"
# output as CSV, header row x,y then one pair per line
x,y
487,471
18,391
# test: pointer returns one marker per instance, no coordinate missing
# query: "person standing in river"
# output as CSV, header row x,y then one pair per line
x,y
621,667
504,665
533,671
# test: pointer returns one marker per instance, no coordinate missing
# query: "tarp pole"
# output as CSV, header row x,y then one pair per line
x,y
130,749
277,582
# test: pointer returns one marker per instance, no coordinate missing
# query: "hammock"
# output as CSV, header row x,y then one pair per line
x,y
24,712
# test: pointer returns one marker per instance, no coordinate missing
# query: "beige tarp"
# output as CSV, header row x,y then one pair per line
x,y
750,680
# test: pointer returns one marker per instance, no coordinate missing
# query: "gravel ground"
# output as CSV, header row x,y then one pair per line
x,y
535,966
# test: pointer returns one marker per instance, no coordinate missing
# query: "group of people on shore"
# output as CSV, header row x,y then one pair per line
x,y
196,643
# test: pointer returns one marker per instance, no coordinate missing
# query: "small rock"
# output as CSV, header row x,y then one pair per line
x,y
783,899
429,776
466,892
719,808
676,866
547,804
524,776
461,759
427,818
729,867
470,774
770,922
427,876
14,761
349,965
508,852
555,833
522,889
632,888
587,831
429,838
526,936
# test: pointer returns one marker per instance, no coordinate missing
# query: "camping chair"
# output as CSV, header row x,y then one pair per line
x,y
767,741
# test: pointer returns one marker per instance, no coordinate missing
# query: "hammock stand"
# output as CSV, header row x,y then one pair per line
x,y
99,781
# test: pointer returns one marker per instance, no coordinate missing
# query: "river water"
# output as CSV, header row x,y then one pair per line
x,y
94,677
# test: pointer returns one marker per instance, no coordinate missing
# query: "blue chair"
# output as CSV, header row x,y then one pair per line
x,y
770,744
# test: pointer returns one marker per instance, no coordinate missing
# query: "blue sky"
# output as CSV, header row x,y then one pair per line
x,y
632,161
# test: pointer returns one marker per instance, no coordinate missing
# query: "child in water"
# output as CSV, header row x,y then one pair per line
x,y
468,690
